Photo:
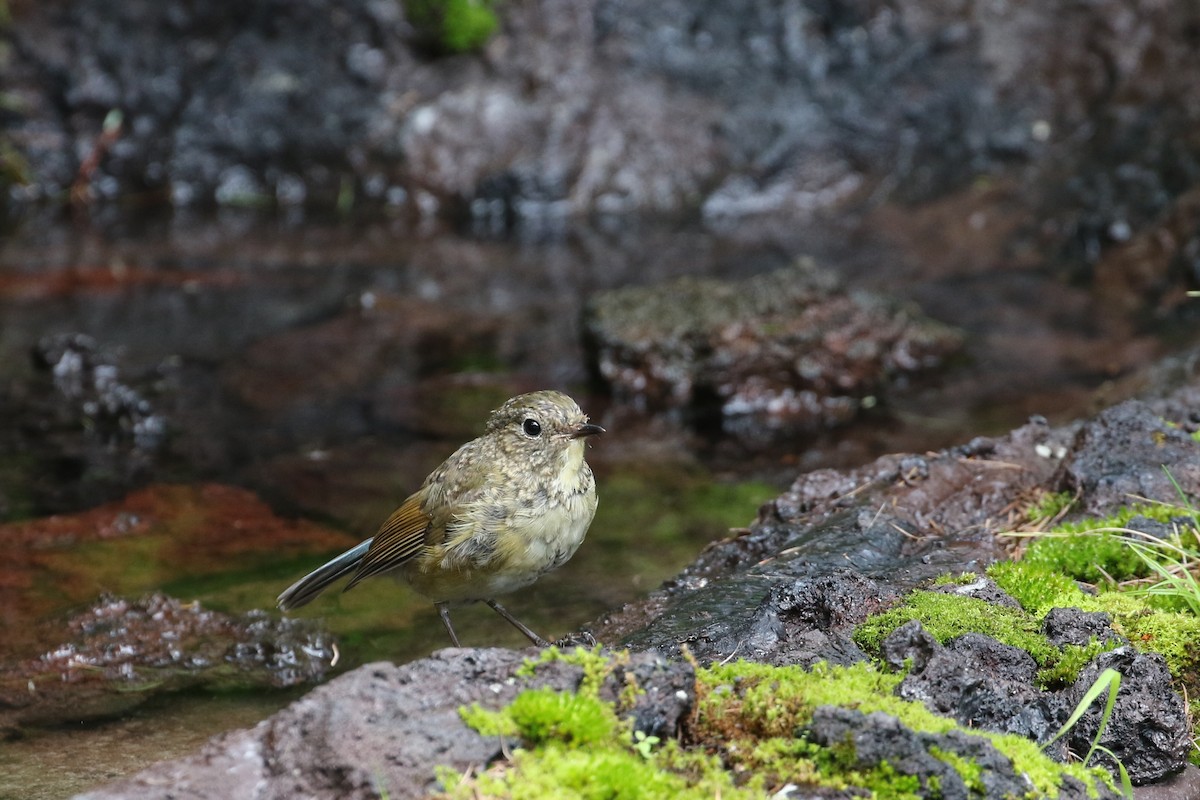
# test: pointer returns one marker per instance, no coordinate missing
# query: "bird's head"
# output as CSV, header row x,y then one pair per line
x,y
545,421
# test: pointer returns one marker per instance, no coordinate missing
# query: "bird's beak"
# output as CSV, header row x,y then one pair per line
x,y
586,429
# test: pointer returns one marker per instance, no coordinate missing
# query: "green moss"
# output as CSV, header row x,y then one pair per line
x,y
950,579
748,734
456,26
488,723
1037,588
1094,549
779,701
541,715
946,616
1173,635
560,771
1091,555
576,747
1072,659
1044,773
544,715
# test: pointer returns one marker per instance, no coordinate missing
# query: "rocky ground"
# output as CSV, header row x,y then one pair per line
x,y
791,589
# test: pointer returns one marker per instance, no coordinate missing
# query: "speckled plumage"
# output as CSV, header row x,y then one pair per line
x,y
500,512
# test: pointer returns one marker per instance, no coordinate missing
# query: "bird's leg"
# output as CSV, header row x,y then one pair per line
x,y
444,612
521,626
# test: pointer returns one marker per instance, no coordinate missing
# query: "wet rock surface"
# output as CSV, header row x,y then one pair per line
x,y
120,653
972,139
791,346
330,743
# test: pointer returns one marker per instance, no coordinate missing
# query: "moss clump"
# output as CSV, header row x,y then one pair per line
x,y
560,771
577,748
579,720
950,579
1072,659
1095,556
1096,550
455,26
1037,588
750,698
1173,635
946,616
970,771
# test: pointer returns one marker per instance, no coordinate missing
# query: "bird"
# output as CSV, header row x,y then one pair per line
x,y
500,512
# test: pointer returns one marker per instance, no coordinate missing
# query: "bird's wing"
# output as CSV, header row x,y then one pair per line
x,y
400,538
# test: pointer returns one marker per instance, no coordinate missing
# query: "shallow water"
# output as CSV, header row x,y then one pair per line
x,y
328,367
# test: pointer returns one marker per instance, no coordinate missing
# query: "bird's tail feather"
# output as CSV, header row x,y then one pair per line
x,y
304,590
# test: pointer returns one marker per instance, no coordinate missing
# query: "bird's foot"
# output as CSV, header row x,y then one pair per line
x,y
577,639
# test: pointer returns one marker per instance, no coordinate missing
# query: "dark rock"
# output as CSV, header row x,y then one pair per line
x,y
1148,731
302,103
122,653
909,647
330,743
1064,626
961,491
668,693
788,345
1152,529
1125,452
811,619
982,588
877,738
896,528
981,683
793,607
842,599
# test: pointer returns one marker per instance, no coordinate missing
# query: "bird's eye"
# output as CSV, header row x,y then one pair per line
x,y
532,427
